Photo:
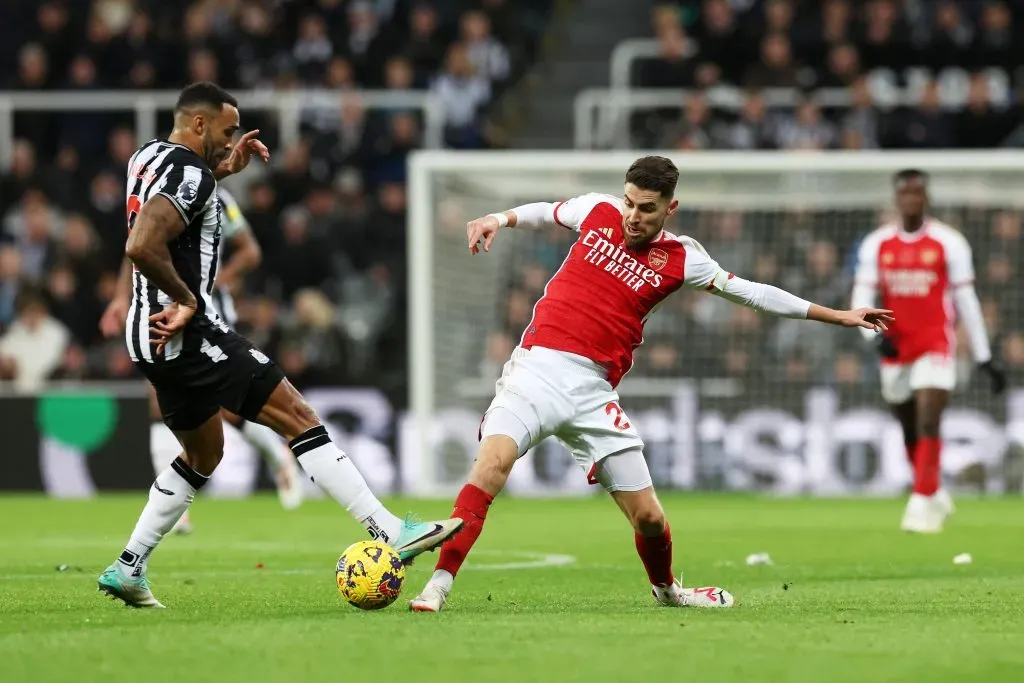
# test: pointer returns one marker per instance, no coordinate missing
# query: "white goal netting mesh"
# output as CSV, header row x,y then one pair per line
x,y
724,397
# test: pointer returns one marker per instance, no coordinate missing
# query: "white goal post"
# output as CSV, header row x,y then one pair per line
x,y
723,400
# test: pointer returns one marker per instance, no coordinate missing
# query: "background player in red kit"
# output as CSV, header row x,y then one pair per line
x,y
561,378
922,267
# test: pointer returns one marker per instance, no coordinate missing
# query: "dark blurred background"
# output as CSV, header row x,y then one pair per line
x,y
330,303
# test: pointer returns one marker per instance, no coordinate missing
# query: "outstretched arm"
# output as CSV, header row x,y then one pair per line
x,y
863,296
535,215
568,214
770,299
704,273
486,228
865,278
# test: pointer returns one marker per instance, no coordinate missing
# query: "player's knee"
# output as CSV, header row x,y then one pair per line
x,y
643,510
649,519
494,463
303,414
203,461
300,418
928,427
231,418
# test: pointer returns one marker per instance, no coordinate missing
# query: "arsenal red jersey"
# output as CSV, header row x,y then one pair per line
x,y
596,304
915,273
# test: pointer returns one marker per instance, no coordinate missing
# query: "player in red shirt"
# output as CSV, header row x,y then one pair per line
x,y
922,267
561,378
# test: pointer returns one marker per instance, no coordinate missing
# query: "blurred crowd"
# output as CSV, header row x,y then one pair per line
x,y
329,299
812,253
914,74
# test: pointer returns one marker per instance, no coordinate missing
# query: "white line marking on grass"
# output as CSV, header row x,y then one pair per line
x,y
529,560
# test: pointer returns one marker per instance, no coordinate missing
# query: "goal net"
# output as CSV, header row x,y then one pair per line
x,y
724,398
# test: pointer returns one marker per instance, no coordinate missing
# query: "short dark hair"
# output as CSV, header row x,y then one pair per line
x,y
656,174
204,93
30,295
909,174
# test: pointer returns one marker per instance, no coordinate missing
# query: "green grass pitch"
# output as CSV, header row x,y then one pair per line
x,y
251,597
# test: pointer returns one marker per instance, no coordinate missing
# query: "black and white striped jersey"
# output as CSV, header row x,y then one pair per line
x,y
232,223
182,177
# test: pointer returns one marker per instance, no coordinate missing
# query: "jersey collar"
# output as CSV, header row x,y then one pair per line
x,y
919,234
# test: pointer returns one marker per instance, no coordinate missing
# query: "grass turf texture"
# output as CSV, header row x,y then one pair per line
x,y
251,597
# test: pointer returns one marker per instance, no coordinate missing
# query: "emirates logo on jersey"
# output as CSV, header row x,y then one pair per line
x,y
620,263
657,258
909,282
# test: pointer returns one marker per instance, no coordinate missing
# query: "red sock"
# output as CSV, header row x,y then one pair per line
x,y
471,505
911,447
927,468
656,554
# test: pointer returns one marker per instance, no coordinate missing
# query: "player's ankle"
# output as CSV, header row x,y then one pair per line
x,y
443,579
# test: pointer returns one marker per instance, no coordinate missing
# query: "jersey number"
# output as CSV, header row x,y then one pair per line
x,y
621,423
214,352
133,207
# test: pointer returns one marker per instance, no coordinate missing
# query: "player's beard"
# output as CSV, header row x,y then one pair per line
x,y
634,243
210,153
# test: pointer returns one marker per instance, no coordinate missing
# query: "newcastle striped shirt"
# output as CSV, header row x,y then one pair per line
x,y
183,178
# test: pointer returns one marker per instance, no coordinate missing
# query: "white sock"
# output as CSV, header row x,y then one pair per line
x,y
163,446
331,470
169,497
442,578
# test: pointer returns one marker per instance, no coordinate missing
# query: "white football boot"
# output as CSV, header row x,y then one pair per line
x,y
677,596
131,590
432,599
945,501
926,514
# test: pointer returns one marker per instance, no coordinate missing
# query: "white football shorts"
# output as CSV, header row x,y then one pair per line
x,y
544,393
931,371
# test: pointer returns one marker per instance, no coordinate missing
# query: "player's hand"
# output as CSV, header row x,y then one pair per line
x,y
169,322
996,375
876,319
241,154
113,319
482,230
886,349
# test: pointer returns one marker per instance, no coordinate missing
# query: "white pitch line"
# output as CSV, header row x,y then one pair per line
x,y
531,560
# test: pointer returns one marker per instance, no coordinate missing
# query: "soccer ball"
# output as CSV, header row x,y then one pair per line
x,y
370,575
